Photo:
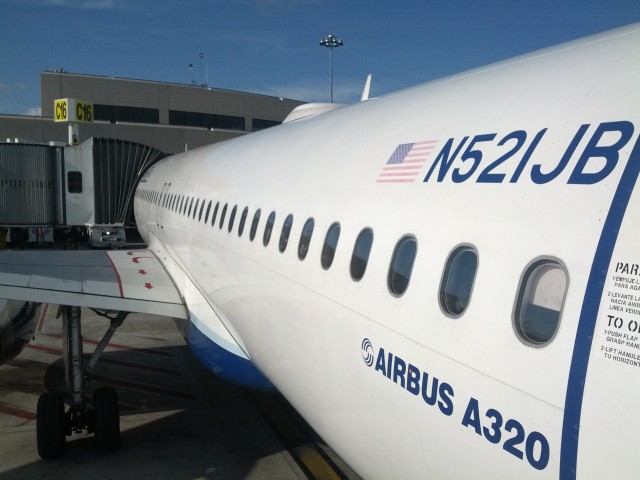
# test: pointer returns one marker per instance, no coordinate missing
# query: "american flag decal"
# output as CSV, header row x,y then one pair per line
x,y
406,162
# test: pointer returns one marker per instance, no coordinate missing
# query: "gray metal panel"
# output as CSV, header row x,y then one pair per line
x,y
27,184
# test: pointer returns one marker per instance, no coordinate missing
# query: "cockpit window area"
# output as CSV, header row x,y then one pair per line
x,y
457,280
401,265
539,302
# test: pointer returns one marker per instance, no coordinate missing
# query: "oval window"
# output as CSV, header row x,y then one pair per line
x,y
254,225
457,280
268,228
195,207
284,235
215,214
305,238
190,207
222,215
243,219
361,251
232,217
200,212
401,265
206,215
330,245
539,303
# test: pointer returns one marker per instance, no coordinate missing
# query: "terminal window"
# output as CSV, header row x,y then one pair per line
x,y
116,113
74,182
205,120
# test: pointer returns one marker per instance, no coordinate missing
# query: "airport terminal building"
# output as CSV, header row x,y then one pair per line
x,y
60,171
167,116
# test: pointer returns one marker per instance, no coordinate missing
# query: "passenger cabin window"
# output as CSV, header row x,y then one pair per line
x,y
215,214
195,208
457,280
305,238
243,219
222,215
74,182
361,251
206,215
200,212
254,225
330,245
401,266
284,235
268,228
539,303
232,217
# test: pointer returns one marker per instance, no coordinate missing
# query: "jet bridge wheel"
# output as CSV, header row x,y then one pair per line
x,y
51,426
106,419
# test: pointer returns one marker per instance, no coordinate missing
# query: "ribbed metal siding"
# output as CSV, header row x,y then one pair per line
x,y
27,184
117,168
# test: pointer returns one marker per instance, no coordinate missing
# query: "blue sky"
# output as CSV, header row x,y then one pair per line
x,y
272,46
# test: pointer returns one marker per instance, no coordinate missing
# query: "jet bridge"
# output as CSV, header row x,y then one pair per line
x,y
90,184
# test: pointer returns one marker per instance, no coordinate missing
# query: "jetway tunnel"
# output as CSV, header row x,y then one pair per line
x,y
59,186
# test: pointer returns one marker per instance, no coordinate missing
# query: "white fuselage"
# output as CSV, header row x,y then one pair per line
x,y
525,160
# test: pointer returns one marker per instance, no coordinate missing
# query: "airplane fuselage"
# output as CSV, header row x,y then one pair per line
x,y
443,281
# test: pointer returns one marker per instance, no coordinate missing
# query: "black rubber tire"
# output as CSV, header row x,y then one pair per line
x,y
106,419
50,426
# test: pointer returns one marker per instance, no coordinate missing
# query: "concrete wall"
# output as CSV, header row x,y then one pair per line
x,y
165,138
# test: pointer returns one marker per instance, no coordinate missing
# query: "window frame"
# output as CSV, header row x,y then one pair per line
x,y
232,218
287,225
302,256
453,254
353,252
403,238
255,221
268,228
337,225
223,214
523,284
243,220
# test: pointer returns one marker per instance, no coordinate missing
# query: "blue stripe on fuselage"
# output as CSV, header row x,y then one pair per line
x,y
225,364
588,316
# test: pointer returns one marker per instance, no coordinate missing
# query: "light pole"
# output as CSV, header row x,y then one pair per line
x,y
331,41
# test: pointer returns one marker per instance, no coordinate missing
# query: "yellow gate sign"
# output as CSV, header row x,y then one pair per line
x,y
71,110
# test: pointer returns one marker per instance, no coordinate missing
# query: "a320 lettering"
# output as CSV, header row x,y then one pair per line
x,y
532,447
463,159
536,445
